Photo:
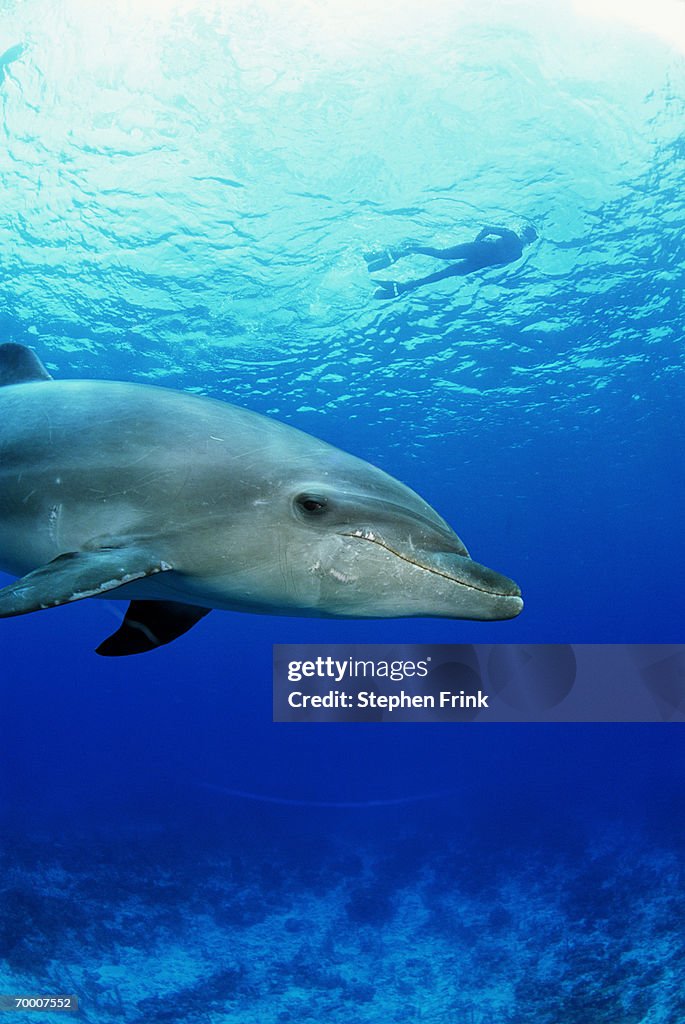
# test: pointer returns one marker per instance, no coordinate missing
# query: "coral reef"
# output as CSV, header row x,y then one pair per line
x,y
154,930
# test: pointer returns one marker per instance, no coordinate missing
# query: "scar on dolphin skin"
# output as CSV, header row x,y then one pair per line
x,y
180,504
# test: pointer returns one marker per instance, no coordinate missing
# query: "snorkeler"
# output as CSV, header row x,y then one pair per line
x,y
492,247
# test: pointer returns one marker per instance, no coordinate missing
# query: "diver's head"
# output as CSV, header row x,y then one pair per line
x,y
529,234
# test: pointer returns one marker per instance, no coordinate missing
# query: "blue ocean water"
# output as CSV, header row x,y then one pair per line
x,y
188,190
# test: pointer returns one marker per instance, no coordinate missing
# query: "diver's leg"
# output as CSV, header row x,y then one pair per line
x,y
384,257
391,289
456,252
456,270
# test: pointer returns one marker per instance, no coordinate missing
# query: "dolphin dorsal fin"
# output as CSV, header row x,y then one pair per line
x,y
19,365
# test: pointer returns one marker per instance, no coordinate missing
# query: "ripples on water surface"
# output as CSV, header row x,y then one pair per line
x,y
188,190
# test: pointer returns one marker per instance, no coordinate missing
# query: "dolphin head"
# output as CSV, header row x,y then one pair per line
x,y
354,542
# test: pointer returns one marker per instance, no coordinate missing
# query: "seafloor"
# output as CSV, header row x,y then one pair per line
x,y
256,925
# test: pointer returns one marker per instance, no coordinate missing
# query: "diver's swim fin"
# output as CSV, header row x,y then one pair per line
x,y
388,289
380,260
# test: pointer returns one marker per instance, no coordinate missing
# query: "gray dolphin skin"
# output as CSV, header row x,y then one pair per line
x,y
180,504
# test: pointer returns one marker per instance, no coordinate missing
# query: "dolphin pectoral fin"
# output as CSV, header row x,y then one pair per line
x,y
151,624
76,575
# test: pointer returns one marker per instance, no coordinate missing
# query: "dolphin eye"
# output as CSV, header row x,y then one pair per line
x,y
311,504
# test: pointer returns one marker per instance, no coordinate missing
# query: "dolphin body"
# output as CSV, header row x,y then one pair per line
x,y
181,504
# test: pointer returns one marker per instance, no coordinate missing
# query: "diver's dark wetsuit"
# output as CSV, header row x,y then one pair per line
x,y
492,247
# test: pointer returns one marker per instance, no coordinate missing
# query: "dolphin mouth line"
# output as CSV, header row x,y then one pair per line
x,y
372,539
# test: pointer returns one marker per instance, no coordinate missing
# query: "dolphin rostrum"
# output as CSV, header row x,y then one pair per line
x,y
181,504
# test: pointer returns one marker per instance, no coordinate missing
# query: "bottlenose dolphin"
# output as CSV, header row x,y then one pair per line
x,y
182,504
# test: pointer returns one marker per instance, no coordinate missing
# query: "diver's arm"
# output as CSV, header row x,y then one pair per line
x,y
500,232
